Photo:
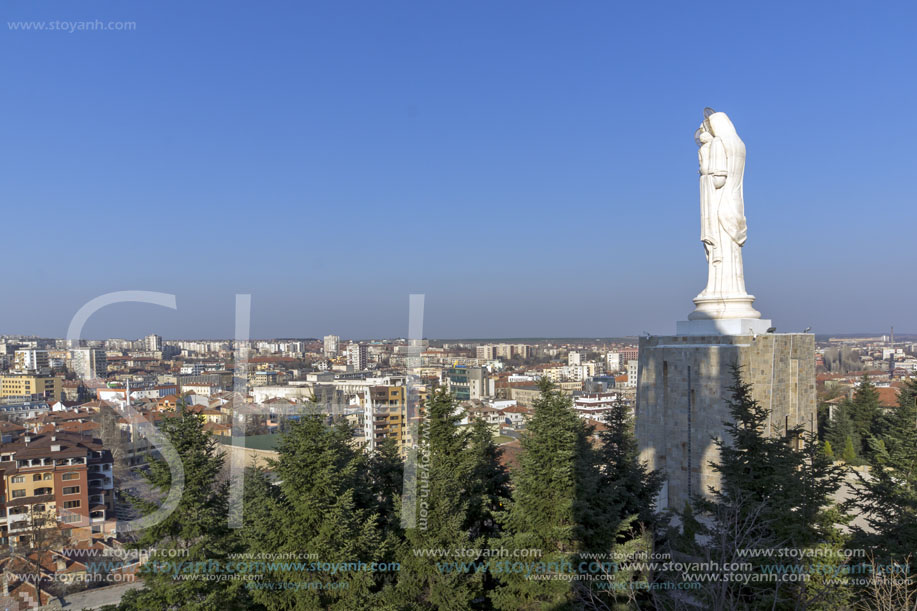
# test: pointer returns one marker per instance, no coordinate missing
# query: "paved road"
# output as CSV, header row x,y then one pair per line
x,y
98,597
845,493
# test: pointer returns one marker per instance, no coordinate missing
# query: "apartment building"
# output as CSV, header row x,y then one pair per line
x,y
632,371
357,356
32,361
88,363
28,385
265,377
331,344
486,353
595,405
60,474
385,417
152,343
468,383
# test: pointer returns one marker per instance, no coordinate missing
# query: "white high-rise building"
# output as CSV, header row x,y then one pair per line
x,y
613,362
485,352
332,344
356,356
152,343
631,374
574,358
88,363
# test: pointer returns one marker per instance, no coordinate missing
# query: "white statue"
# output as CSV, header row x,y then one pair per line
x,y
723,230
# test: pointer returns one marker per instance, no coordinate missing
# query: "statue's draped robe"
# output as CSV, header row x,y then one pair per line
x,y
712,158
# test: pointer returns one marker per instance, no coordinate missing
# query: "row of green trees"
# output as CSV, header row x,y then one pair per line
x,y
571,498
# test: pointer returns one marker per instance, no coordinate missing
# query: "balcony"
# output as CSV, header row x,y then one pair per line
x,y
101,482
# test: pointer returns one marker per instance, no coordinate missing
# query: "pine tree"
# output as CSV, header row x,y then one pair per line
x,y
559,507
323,508
488,490
850,454
816,517
197,531
752,464
841,428
460,484
634,486
888,494
770,495
819,523
828,450
386,474
865,414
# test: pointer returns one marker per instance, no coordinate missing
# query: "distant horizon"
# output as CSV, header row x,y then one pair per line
x,y
587,338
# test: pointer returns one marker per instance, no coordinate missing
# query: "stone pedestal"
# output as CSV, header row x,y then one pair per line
x,y
723,306
681,397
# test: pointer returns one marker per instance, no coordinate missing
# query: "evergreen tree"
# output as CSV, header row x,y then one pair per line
x,y
325,508
770,495
460,486
820,524
865,414
850,454
815,516
386,474
488,490
828,450
634,486
559,507
753,464
888,494
840,429
197,531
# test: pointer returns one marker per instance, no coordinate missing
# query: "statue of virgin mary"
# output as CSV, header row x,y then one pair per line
x,y
721,156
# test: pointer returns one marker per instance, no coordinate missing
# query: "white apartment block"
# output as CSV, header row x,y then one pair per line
x,y
88,363
331,345
357,355
613,361
631,374
152,343
486,353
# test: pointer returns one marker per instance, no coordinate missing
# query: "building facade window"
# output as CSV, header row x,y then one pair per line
x,y
70,475
71,490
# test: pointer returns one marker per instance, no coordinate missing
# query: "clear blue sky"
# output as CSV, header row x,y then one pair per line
x,y
529,166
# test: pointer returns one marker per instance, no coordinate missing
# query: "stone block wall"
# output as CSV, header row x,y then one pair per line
x,y
681,399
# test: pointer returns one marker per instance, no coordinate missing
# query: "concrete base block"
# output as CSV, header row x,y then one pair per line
x,y
681,398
